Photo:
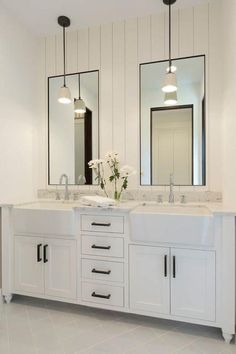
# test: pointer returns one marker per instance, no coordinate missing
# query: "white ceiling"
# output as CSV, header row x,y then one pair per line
x,y
40,16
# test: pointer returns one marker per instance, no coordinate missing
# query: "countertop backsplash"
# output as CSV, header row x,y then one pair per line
x,y
143,193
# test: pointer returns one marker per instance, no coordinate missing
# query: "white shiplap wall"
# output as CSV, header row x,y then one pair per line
x,y
117,50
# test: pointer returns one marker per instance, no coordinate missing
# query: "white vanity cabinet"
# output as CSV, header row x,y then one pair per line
x,y
102,259
174,281
149,279
45,266
28,269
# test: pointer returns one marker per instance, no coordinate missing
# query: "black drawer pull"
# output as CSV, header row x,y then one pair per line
x,y
107,272
101,296
101,224
165,265
39,258
174,267
101,247
45,260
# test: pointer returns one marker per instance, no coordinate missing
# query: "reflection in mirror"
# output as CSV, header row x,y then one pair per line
x,y
173,128
73,137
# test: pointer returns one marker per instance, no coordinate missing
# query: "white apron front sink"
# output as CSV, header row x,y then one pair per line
x,y
190,225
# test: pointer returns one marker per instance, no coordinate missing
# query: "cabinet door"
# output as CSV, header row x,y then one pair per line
x,y
193,284
28,265
60,268
149,279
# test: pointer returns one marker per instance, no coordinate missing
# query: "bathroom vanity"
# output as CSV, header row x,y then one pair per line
x,y
167,261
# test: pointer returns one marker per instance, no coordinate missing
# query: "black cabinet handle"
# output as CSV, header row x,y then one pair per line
x,y
45,260
39,259
165,265
101,247
101,224
101,296
174,267
101,271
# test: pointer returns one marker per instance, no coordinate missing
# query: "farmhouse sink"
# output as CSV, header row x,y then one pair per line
x,y
44,217
48,205
178,224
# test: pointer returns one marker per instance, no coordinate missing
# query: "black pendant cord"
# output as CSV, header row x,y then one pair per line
x,y
170,61
79,85
64,54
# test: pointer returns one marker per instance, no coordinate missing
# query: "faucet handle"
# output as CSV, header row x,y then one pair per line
x,y
58,196
75,196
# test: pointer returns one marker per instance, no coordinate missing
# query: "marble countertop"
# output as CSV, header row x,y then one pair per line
x,y
121,207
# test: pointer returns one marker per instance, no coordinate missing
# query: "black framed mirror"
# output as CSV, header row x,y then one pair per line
x,y
73,138
173,132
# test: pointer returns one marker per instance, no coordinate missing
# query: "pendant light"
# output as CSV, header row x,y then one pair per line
x,y
64,95
171,98
170,84
79,102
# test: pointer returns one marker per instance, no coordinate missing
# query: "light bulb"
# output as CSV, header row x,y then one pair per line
x,y
170,84
79,106
172,69
64,95
171,98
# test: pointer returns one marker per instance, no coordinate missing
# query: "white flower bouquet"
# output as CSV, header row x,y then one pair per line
x,y
108,170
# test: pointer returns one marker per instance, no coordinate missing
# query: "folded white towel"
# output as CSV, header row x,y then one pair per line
x,y
95,200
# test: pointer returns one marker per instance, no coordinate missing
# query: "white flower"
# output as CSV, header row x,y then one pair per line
x,y
127,171
112,156
94,164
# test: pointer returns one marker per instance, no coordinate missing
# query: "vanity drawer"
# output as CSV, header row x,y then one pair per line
x,y
103,246
103,294
102,270
102,223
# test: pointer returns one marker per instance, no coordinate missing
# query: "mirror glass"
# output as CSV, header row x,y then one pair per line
x,y
73,137
173,135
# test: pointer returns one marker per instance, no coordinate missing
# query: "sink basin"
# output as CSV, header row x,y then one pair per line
x,y
185,224
48,205
44,218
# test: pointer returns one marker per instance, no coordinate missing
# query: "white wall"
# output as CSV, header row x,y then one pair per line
x,y
229,105
116,50
18,110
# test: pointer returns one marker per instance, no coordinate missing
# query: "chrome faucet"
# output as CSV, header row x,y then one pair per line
x,y
64,176
171,194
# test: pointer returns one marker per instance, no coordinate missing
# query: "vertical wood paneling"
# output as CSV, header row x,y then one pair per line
x,y
214,97
174,34
157,37
50,56
83,50
59,54
201,27
71,52
119,142
117,51
106,94
144,39
131,99
94,47
186,26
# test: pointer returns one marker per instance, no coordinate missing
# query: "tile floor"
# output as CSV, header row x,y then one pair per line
x,y
33,326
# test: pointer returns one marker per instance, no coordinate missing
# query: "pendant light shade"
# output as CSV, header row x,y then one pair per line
x,y
171,98
64,95
79,104
170,84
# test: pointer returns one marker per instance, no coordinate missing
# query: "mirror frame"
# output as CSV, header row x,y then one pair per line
x,y
204,126
48,124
